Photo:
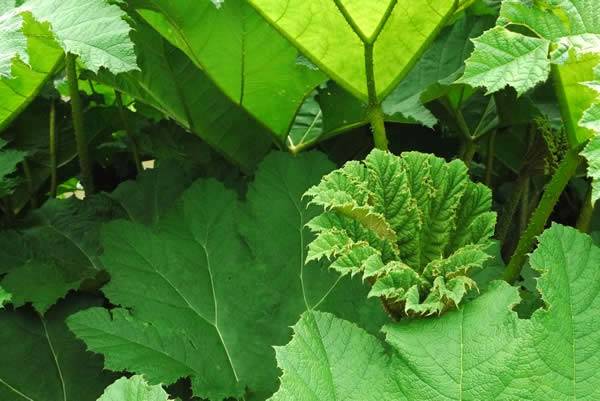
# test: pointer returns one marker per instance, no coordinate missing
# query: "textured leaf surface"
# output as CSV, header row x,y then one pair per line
x,y
332,359
414,225
592,155
261,73
92,29
133,389
333,35
13,43
480,352
43,361
59,250
569,28
502,58
216,309
170,82
27,79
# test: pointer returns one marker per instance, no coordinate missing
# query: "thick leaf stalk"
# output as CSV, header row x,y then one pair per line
x,y
85,162
540,217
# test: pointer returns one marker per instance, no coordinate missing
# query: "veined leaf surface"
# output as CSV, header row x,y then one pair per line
x,y
482,351
335,34
261,73
218,304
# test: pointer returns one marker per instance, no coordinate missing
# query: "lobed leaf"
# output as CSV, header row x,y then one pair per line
x,y
43,359
218,303
481,351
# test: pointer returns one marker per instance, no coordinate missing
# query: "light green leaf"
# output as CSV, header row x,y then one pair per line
x,y
481,352
134,388
12,40
575,98
218,303
42,359
553,19
27,79
335,35
428,80
591,118
5,297
308,126
92,29
332,359
592,155
185,94
502,58
569,28
261,73
414,212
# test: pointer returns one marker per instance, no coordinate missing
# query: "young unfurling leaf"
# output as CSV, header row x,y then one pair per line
x,y
413,225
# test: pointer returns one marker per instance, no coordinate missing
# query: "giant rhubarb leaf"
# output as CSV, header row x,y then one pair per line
x,y
252,64
481,352
429,79
170,82
414,225
199,303
43,361
566,40
356,41
92,29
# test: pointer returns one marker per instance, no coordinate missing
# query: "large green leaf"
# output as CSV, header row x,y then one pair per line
x,y
95,30
92,29
429,79
335,35
252,64
414,225
171,83
204,304
43,361
567,42
481,352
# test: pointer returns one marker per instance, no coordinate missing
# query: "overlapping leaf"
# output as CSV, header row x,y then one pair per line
x,y
170,82
92,29
347,38
564,33
43,361
429,79
261,73
56,251
482,351
204,304
414,225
